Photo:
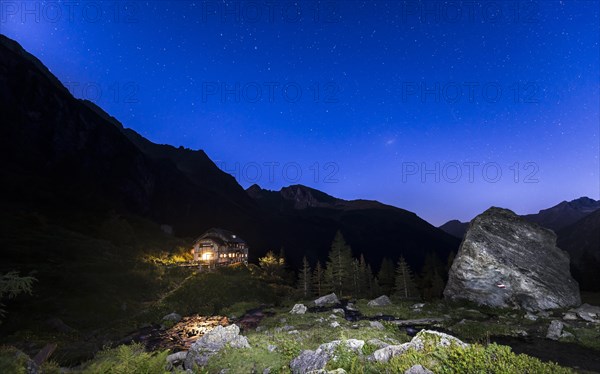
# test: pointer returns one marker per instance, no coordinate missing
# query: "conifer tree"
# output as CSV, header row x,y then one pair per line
x,y
371,282
363,281
356,278
339,266
304,278
318,277
432,281
386,276
405,281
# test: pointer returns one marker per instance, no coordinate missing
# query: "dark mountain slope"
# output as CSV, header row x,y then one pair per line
x,y
582,241
455,228
73,162
564,214
58,151
372,228
556,218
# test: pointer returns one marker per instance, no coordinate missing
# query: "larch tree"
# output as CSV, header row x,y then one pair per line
x,y
304,278
386,276
405,281
339,266
318,277
432,280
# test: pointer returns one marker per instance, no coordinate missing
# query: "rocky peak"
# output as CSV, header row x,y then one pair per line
x,y
585,204
306,197
505,261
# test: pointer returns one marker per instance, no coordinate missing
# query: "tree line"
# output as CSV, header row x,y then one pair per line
x,y
348,276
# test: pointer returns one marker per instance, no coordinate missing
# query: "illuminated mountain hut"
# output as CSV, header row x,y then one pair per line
x,y
218,247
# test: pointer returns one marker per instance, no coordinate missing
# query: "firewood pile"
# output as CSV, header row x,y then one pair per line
x,y
183,334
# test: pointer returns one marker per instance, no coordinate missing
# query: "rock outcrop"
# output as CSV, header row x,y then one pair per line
x,y
507,261
298,309
212,342
330,299
309,360
423,338
380,301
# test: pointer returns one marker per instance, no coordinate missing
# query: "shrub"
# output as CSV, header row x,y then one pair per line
x,y
128,359
472,359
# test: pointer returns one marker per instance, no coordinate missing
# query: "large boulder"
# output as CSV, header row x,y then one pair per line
x,y
506,261
380,301
212,342
330,299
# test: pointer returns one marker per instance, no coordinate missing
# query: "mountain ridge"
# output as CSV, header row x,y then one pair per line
x,y
65,154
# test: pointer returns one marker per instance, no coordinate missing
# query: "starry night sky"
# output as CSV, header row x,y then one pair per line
x,y
361,98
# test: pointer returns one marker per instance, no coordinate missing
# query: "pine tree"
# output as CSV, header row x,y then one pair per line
x,y
339,266
318,277
405,281
363,281
386,276
356,286
432,282
12,284
371,282
304,278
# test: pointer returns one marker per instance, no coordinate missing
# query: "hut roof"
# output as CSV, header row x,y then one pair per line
x,y
221,236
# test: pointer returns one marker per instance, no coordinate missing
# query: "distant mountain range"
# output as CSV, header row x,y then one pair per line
x,y
555,218
75,164
577,225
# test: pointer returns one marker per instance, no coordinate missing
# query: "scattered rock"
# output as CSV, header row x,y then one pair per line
x,y
418,342
298,309
378,343
271,348
284,328
332,316
293,332
376,325
586,317
384,354
212,342
172,317
555,330
587,308
339,311
323,371
418,306
44,354
505,261
380,301
308,360
58,325
566,334
239,342
530,316
350,307
543,314
418,369
176,359
327,300
570,316
334,324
